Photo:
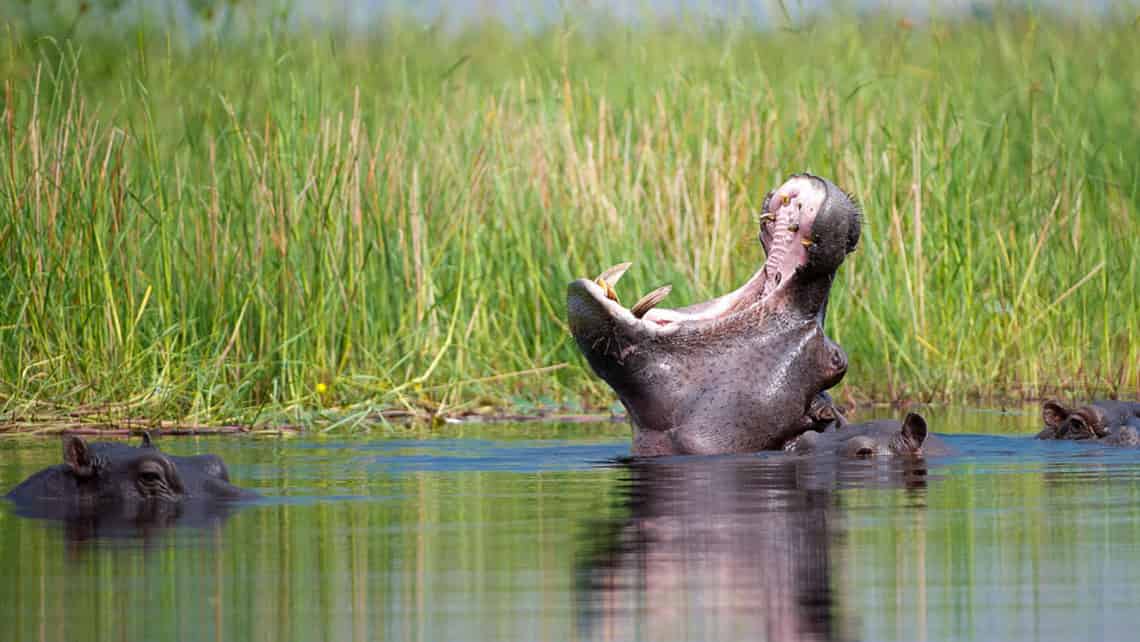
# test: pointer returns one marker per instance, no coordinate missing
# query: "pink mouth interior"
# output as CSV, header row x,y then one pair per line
x,y
792,212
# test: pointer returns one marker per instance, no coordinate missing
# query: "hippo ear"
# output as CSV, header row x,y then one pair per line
x,y
146,442
77,456
1054,413
914,429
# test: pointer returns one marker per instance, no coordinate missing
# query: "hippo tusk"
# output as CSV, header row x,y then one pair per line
x,y
614,274
609,278
649,301
610,293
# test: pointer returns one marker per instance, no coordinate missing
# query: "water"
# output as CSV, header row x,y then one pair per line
x,y
542,533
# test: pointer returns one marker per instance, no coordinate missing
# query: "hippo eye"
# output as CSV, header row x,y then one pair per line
x,y
150,473
1080,429
149,477
864,452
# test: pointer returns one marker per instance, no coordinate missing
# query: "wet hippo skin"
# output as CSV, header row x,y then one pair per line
x,y
1109,422
115,485
881,438
741,372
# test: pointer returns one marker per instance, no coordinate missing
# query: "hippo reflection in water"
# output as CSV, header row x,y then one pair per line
x,y
112,486
1110,422
736,546
738,373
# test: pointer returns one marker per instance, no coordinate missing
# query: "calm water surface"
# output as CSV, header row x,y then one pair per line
x,y
544,533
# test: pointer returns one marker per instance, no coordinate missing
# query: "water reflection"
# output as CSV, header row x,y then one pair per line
x,y
726,548
143,522
517,533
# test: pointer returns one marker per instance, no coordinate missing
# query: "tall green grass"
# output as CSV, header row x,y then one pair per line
x,y
258,227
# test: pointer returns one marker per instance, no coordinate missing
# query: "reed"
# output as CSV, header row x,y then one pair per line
x,y
280,225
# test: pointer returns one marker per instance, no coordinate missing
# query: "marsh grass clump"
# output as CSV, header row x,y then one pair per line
x,y
264,225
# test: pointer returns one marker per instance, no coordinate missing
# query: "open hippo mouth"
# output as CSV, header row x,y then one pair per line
x,y
808,225
759,351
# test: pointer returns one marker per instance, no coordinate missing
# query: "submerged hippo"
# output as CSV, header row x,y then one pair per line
x,y
882,438
736,373
104,475
1113,422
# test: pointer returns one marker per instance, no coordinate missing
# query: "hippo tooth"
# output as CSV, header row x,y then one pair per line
x,y
613,275
806,242
607,288
767,216
607,279
647,302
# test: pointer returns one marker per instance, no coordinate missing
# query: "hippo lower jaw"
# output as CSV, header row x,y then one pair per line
x,y
735,373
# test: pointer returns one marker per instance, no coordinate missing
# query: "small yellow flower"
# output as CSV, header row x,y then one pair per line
x,y
322,388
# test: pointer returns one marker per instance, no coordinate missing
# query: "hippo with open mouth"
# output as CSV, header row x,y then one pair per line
x,y
737,373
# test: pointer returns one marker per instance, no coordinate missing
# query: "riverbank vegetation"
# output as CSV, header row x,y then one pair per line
x,y
273,225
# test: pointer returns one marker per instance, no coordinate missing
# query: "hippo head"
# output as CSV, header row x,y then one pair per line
x,y
138,474
115,473
883,438
736,373
887,438
1086,422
